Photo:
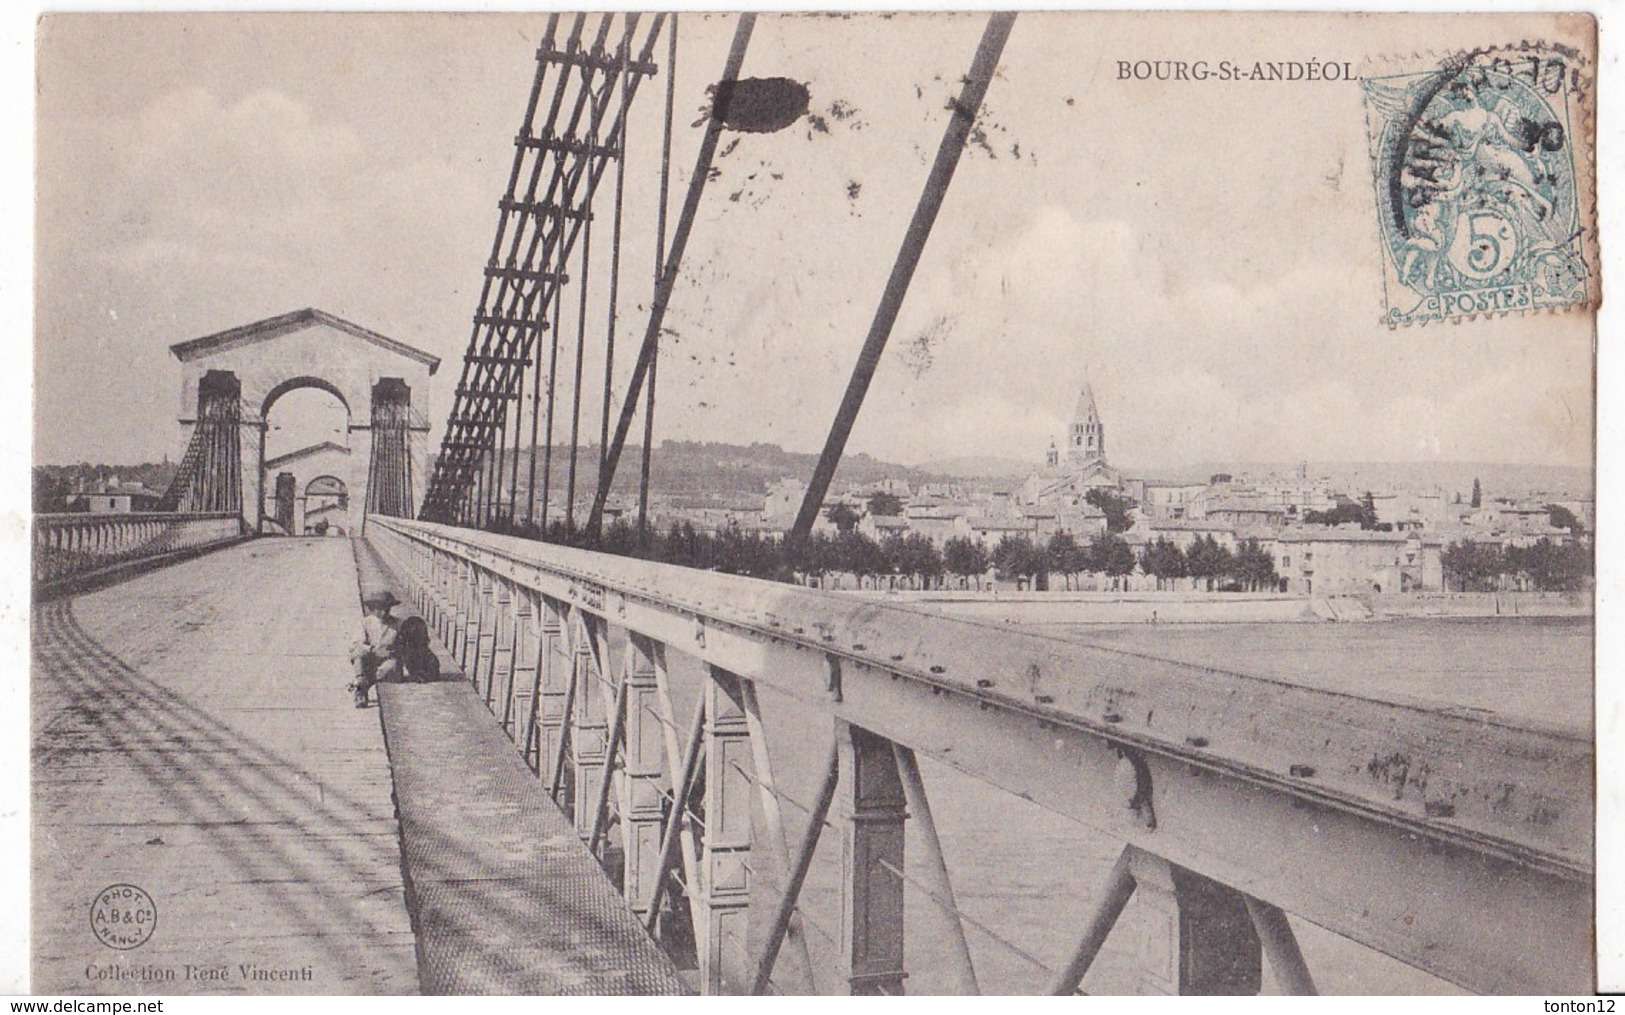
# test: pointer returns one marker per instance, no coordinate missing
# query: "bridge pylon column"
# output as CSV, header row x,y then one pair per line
x,y
462,578
421,561
498,672
439,576
1195,934
447,589
643,769
517,703
435,566
553,690
870,814
468,619
483,616
589,720
723,899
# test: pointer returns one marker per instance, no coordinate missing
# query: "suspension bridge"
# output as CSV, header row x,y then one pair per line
x,y
628,776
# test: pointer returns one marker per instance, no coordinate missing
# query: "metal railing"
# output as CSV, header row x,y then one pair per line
x,y
68,547
1459,844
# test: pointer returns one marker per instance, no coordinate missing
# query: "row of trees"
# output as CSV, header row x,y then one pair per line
x,y
1544,566
732,551
916,559
1249,567
1019,557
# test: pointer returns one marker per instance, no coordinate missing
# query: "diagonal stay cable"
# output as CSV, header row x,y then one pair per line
x,y
674,260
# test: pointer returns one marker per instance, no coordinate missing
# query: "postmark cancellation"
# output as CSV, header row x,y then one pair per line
x,y
1483,184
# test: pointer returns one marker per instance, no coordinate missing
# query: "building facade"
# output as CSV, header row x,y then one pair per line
x,y
1067,477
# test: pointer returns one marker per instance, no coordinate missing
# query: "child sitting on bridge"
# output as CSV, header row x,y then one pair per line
x,y
390,650
376,656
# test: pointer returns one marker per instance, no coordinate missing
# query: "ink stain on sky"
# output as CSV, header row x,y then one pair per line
x,y
761,105
920,353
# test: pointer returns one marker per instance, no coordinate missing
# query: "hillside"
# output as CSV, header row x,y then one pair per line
x,y
979,467
701,468
681,468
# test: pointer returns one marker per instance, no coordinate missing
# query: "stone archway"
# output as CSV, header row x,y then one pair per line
x,y
291,447
301,383
234,377
325,507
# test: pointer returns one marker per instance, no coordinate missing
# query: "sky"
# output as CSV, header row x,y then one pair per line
x,y
1207,258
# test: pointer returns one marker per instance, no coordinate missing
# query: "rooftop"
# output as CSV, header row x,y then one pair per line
x,y
276,327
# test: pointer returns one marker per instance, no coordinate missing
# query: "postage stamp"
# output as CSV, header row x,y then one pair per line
x,y
1483,204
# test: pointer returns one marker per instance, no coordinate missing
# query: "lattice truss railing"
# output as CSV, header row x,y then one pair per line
x,y
574,127
636,693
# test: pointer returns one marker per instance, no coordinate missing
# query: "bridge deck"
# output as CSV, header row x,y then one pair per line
x,y
505,898
193,737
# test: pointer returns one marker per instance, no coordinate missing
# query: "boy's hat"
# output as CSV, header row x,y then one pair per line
x,y
381,600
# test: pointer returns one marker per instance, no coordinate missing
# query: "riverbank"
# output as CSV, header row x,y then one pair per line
x,y
1225,607
1481,604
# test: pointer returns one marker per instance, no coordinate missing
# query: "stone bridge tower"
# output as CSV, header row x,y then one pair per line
x,y
234,377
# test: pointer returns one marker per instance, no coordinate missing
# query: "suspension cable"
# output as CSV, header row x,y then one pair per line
x,y
615,268
518,434
552,387
660,265
581,352
459,425
515,301
506,329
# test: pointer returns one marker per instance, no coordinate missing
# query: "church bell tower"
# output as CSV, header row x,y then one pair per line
x,y
1086,439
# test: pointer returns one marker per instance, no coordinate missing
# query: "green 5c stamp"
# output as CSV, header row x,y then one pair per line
x,y
1482,206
